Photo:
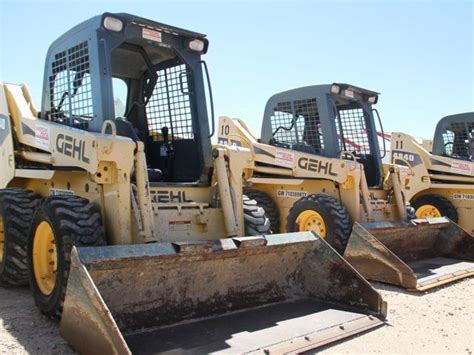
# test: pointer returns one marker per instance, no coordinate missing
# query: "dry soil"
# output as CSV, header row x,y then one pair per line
x,y
438,321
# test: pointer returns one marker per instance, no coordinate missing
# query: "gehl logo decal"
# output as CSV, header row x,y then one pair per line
x,y
163,196
316,165
72,147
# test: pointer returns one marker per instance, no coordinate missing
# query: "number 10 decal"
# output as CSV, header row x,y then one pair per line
x,y
225,129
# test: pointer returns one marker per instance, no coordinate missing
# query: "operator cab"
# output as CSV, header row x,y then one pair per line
x,y
454,137
334,121
147,78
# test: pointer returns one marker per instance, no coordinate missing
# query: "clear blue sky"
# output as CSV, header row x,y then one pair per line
x,y
419,55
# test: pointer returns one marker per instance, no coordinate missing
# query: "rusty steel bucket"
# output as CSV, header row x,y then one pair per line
x,y
273,294
417,255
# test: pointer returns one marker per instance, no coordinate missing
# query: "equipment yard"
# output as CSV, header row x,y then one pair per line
x,y
144,221
437,321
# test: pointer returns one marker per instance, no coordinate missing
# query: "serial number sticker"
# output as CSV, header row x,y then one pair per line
x,y
42,136
461,167
3,123
60,192
179,225
284,158
291,194
151,35
458,196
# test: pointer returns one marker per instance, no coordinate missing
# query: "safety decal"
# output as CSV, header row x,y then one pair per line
x,y
284,158
291,194
461,167
151,35
3,123
458,196
42,136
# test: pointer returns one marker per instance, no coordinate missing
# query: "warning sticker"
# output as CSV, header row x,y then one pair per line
x,y
179,225
3,123
458,196
284,158
461,167
151,35
42,136
291,194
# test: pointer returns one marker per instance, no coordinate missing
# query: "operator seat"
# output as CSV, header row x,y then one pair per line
x,y
126,129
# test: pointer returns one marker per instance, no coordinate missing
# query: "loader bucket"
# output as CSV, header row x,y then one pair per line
x,y
417,255
272,294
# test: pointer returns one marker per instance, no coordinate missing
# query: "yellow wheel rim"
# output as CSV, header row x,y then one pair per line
x,y
310,220
427,211
2,239
44,258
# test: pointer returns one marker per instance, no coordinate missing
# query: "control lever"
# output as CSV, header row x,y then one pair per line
x,y
167,154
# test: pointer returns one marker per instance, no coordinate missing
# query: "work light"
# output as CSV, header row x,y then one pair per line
x,y
113,24
372,99
196,45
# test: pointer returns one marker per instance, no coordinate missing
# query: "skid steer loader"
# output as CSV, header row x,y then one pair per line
x,y
443,176
318,167
129,225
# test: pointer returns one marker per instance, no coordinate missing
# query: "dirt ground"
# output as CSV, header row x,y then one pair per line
x,y
438,321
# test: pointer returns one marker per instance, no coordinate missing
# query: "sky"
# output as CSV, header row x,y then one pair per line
x,y
419,55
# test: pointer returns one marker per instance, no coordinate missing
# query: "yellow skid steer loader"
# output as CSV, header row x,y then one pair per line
x,y
128,225
318,167
443,176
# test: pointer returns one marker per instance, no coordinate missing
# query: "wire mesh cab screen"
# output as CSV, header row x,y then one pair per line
x,y
170,105
70,87
296,125
351,129
458,140
353,136
173,146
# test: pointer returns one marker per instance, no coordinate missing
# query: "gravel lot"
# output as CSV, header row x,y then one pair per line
x,y
438,321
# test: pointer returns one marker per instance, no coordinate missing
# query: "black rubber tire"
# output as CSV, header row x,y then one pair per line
x,y
334,214
17,207
440,202
75,222
411,212
270,207
255,220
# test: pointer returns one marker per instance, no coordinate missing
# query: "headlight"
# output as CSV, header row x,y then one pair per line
x,y
349,93
113,24
372,99
335,89
196,45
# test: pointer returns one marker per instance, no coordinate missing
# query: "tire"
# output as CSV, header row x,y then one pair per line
x,y
255,219
270,207
17,207
329,210
66,221
411,213
441,203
